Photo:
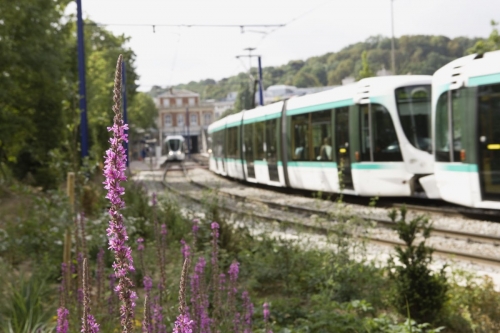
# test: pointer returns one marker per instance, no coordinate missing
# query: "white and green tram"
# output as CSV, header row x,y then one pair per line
x,y
466,118
370,138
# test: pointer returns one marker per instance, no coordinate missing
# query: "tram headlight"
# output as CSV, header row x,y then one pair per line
x,y
210,151
170,153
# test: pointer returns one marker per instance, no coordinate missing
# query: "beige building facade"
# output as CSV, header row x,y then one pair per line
x,y
181,113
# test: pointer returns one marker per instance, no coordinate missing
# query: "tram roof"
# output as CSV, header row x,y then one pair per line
x,y
469,71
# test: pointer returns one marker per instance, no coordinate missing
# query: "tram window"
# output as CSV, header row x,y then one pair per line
x,y
414,108
442,126
249,138
232,142
321,125
300,138
365,133
385,141
271,143
260,128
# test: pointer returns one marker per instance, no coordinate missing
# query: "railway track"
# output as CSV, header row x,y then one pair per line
x,y
281,213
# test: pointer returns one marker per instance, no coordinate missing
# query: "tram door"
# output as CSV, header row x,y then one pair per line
x,y
248,140
342,146
489,140
272,149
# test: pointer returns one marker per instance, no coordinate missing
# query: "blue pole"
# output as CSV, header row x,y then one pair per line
x,y
261,97
81,79
188,137
124,97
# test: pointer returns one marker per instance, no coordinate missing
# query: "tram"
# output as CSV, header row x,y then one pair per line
x,y
175,147
466,130
370,138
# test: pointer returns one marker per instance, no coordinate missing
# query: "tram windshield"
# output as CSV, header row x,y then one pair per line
x,y
174,144
414,108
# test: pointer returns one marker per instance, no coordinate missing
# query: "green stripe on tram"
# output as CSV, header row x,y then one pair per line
x,y
458,167
320,107
262,118
311,164
483,79
376,166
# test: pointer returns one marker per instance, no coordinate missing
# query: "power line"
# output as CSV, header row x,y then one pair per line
x,y
293,20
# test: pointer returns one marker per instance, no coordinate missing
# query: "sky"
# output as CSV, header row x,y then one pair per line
x,y
173,55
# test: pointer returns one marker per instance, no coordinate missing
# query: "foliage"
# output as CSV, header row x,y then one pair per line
x,y
244,100
39,111
31,85
414,54
473,305
365,67
142,113
490,44
28,303
419,293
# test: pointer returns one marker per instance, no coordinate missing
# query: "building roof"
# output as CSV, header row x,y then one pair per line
x,y
178,93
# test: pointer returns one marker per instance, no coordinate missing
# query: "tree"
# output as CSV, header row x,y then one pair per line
x,y
490,44
32,85
244,100
142,112
365,70
303,80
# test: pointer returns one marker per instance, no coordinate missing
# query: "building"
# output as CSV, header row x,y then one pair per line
x,y
181,113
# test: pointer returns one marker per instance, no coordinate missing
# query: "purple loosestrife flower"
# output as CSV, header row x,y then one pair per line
x,y
89,325
185,249
215,276
140,246
62,320
114,171
196,226
163,231
147,326
158,326
247,316
199,298
183,324
148,284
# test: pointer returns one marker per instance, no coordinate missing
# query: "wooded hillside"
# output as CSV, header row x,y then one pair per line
x,y
414,54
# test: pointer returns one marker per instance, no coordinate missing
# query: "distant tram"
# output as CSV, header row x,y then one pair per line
x,y
370,138
174,146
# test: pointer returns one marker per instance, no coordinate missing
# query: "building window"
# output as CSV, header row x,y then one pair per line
x,y
166,103
193,119
208,118
168,120
178,101
191,101
180,120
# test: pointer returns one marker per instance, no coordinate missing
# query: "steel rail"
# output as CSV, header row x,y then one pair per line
x,y
324,229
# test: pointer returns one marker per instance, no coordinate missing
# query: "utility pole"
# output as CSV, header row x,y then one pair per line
x,y
393,59
124,97
81,78
250,55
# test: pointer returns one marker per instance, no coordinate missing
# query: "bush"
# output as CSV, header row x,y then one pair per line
x,y
418,293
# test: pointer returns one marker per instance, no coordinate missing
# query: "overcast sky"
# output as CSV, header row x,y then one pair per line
x,y
174,55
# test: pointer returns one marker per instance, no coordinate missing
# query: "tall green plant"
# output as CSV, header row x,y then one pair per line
x,y
419,292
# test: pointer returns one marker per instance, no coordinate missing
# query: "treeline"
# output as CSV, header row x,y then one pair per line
x,y
414,55
39,99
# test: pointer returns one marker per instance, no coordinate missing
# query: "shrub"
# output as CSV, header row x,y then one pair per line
x,y
418,292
